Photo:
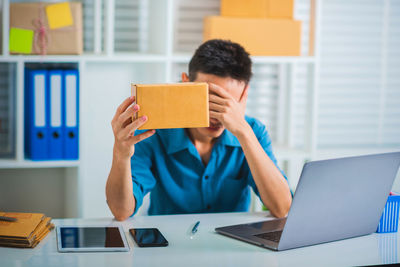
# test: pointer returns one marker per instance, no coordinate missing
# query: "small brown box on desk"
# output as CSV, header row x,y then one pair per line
x,y
60,41
179,105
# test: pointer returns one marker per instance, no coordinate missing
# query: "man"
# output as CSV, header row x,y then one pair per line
x,y
199,169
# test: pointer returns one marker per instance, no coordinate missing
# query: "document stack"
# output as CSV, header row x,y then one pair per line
x,y
26,231
52,114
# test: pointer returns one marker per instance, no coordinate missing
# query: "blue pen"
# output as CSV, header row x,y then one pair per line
x,y
194,230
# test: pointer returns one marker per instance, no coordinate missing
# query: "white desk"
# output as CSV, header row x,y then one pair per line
x,y
206,248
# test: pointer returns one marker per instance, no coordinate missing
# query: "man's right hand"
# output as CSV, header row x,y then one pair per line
x,y
124,129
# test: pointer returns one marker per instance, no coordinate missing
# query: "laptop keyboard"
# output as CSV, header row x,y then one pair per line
x,y
272,236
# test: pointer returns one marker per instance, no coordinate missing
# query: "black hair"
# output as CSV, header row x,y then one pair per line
x,y
221,58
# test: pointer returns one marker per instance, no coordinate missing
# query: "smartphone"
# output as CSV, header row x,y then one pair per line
x,y
148,237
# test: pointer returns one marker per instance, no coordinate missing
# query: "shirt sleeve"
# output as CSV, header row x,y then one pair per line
x,y
265,141
143,179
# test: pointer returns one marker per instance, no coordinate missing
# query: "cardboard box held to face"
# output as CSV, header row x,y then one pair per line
x,y
180,105
260,37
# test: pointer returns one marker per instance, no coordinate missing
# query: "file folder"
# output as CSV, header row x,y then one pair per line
x,y
71,120
36,126
55,82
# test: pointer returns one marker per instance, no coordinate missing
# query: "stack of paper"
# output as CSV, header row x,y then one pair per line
x,y
26,232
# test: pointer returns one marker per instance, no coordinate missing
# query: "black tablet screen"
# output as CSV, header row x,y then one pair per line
x,y
90,237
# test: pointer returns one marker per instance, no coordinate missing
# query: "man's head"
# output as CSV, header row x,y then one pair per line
x,y
225,64
221,58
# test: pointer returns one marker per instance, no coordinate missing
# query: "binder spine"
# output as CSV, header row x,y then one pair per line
x,y
71,114
36,119
55,110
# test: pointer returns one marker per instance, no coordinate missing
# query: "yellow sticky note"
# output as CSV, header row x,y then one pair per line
x,y
21,40
59,15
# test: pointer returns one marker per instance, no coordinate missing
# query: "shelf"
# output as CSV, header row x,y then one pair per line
x,y
14,164
117,57
139,57
39,58
185,58
126,57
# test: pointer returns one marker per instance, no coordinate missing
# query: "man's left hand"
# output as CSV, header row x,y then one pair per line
x,y
227,110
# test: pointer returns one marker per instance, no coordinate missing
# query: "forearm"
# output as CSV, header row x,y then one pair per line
x,y
119,191
272,186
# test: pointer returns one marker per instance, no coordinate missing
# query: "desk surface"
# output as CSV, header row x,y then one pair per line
x,y
205,248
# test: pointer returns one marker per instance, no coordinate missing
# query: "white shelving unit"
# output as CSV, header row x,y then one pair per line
x,y
163,34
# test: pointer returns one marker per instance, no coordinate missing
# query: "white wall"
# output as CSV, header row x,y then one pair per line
x,y
33,190
105,87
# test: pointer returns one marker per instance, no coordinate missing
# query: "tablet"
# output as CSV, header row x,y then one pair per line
x,y
91,239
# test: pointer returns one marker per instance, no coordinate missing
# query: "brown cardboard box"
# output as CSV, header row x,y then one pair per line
x,y
260,37
279,9
180,105
60,41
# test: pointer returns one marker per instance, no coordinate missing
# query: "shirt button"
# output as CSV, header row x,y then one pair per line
x,y
208,206
206,177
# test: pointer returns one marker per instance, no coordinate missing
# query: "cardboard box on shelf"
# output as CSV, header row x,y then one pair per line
x,y
179,105
260,37
56,28
282,9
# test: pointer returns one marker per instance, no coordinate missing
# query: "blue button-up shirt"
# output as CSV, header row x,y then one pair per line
x,y
169,166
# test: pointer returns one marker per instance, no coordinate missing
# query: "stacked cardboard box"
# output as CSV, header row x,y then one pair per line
x,y
262,27
26,232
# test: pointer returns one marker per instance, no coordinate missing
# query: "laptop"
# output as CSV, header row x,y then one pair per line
x,y
335,199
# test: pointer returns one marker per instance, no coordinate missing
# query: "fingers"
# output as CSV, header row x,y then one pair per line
x,y
129,130
215,89
217,99
141,137
216,115
124,105
217,107
127,115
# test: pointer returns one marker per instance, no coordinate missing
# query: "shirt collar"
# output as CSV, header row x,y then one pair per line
x,y
228,139
175,140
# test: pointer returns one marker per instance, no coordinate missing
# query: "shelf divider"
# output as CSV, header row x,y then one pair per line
x,y
20,109
6,25
110,17
98,23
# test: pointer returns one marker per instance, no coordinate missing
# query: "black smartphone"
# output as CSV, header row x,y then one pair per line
x,y
148,237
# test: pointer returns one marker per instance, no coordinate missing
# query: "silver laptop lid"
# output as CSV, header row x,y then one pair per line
x,y
339,198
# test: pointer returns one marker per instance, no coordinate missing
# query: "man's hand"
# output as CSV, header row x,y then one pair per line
x,y
227,110
124,129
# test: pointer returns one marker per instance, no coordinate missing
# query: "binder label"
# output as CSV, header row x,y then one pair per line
x,y
70,93
39,89
55,99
